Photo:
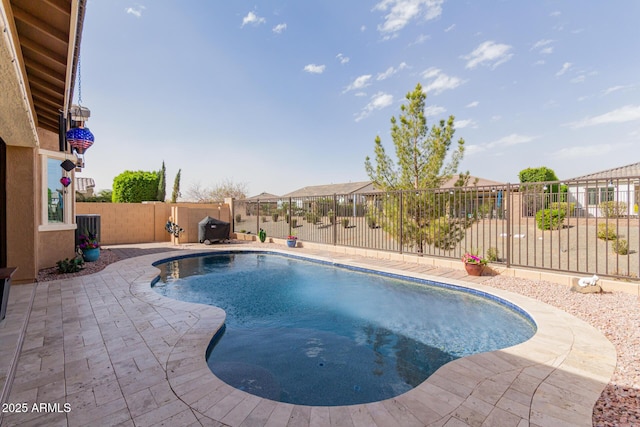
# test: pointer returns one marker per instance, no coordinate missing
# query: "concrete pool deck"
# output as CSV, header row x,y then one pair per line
x,y
119,354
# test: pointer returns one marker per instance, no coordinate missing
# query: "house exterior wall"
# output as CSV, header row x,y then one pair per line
x,y
22,211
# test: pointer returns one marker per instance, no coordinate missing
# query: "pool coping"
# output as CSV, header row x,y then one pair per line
x,y
554,378
120,354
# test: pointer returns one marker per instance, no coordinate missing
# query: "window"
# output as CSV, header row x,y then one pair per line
x,y
56,198
595,196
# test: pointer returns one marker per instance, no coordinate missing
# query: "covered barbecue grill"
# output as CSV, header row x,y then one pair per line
x,y
212,230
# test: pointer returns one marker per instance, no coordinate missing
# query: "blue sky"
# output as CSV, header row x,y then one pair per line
x,y
284,94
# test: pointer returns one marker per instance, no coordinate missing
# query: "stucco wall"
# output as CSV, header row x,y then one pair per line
x,y
54,246
22,212
187,216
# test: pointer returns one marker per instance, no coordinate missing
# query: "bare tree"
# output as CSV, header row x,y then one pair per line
x,y
225,188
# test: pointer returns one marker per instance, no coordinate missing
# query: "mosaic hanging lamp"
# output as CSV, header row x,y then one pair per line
x,y
80,139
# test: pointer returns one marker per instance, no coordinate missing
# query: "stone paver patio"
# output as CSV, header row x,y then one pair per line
x,y
117,353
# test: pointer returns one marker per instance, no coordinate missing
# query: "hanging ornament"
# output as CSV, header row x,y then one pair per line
x,y
80,139
68,165
65,180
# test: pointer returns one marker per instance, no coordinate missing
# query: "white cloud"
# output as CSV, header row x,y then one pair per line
x,y
541,44
580,79
135,11
507,141
314,69
439,81
391,71
628,113
343,59
420,39
489,53
615,89
555,13
378,101
401,12
359,83
473,104
597,150
565,67
467,123
449,28
253,19
279,29
433,110
540,62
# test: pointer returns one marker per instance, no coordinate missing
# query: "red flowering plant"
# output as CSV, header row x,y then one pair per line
x,y
88,241
290,237
469,258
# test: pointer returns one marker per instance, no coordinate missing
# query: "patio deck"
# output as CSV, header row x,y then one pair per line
x,y
119,354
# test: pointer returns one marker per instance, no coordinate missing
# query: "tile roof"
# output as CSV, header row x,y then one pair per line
x,y
619,172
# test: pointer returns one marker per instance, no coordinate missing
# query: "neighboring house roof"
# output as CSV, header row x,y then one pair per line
x,y
262,196
368,187
84,184
325,190
481,182
619,172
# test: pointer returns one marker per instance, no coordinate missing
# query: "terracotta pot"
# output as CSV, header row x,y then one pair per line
x,y
474,269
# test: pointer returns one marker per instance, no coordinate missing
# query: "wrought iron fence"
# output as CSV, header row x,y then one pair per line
x,y
582,227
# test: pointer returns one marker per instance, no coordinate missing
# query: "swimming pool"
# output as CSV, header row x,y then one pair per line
x,y
306,333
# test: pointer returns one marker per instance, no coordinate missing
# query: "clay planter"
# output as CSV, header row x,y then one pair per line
x,y
474,269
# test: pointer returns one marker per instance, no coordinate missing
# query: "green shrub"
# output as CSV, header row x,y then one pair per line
x,y
238,218
135,187
612,209
345,222
606,232
274,217
620,246
70,265
550,219
569,208
371,222
492,254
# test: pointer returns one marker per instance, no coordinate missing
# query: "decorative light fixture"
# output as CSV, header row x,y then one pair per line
x,y
79,137
68,165
65,180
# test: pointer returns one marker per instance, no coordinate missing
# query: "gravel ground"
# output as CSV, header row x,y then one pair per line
x,y
616,315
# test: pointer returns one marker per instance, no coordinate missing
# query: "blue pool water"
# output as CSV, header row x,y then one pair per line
x,y
309,333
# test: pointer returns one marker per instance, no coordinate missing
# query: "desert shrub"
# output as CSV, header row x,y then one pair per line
x,y
612,209
274,217
550,219
371,221
332,216
238,218
445,233
264,219
606,232
569,208
492,254
345,222
294,222
70,265
620,246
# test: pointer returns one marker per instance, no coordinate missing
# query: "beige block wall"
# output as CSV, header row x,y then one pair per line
x,y
188,215
122,223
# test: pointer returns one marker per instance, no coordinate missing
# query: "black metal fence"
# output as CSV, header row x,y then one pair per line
x,y
582,227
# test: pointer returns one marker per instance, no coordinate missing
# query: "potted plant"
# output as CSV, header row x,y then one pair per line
x,y
474,264
262,235
291,241
89,247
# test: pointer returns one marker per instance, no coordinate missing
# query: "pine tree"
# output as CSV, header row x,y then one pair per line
x,y
176,188
162,183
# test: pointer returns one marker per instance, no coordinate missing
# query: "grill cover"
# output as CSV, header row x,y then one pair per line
x,y
211,230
